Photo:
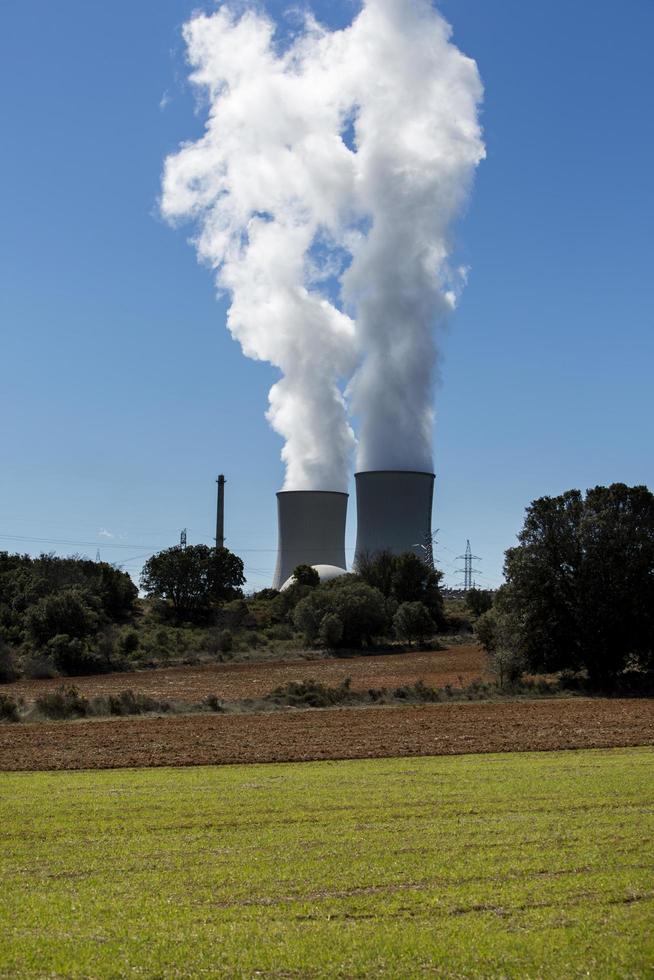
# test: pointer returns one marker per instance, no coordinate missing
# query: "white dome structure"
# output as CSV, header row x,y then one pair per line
x,y
326,573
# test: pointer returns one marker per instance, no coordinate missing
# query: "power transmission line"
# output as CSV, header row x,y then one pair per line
x,y
468,571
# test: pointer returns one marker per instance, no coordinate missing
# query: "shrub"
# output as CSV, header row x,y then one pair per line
x,y
405,578
236,614
8,669
306,575
508,664
486,630
479,601
306,617
330,633
65,702
225,641
131,703
361,609
9,710
214,703
280,631
413,622
253,640
419,692
72,656
39,668
129,642
313,694
72,612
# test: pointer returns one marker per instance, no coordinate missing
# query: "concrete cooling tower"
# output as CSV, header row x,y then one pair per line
x,y
311,530
393,511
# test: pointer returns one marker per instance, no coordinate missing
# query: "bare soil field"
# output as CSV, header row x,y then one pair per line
x,y
459,665
346,733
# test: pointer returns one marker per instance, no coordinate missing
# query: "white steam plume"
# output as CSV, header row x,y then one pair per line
x,y
283,199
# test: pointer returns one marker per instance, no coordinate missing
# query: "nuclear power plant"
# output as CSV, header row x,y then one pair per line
x,y
393,511
393,514
311,531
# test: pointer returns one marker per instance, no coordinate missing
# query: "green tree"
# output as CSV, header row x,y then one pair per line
x,y
412,622
478,601
404,578
497,634
360,609
579,587
193,578
306,618
330,633
75,613
306,575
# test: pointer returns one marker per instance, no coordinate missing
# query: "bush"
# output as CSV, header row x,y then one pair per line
x,y
236,614
306,618
478,601
8,669
127,703
486,629
225,641
360,608
72,612
313,694
254,640
405,578
39,668
9,710
413,622
65,702
214,703
280,631
508,664
330,633
129,642
72,656
306,575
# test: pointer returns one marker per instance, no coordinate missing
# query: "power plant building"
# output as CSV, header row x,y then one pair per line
x,y
393,511
393,514
311,530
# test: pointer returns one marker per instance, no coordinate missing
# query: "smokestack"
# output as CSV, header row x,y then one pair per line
x,y
393,511
220,512
311,530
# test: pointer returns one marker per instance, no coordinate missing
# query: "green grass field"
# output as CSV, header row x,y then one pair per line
x,y
525,865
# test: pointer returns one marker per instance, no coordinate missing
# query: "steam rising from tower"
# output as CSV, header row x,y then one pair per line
x,y
323,190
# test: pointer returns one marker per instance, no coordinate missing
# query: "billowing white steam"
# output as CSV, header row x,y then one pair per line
x,y
343,158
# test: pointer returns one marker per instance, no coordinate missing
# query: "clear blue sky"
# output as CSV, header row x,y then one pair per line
x,y
121,394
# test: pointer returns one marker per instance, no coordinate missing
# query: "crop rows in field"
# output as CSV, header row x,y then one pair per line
x,y
519,866
457,666
349,733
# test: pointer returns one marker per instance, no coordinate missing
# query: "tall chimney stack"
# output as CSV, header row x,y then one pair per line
x,y
220,513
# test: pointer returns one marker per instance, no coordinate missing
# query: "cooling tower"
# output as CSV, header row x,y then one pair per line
x,y
311,530
393,511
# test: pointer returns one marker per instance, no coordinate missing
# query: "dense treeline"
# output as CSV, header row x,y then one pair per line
x,y
74,616
579,592
578,602
58,611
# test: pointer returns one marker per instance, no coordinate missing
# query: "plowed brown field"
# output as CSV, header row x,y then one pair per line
x,y
458,665
350,733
